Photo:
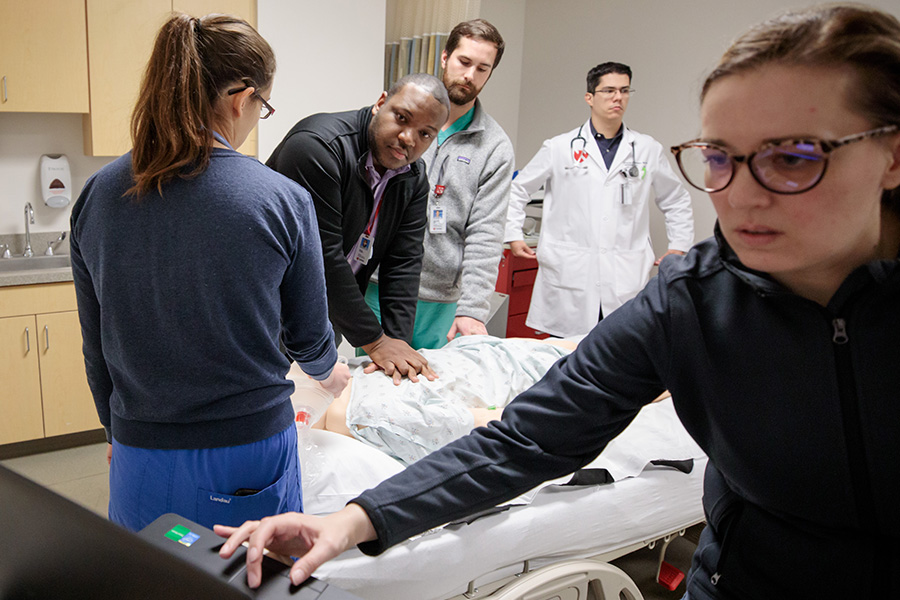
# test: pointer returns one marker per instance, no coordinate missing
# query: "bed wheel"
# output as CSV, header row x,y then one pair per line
x,y
584,579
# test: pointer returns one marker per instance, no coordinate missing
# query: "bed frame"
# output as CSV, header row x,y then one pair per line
x,y
590,578
548,555
578,579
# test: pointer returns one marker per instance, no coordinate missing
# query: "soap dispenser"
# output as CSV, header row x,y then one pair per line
x,y
56,180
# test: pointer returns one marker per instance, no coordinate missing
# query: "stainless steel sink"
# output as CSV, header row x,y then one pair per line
x,y
35,263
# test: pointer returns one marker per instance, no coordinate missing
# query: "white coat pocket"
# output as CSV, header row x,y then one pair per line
x,y
563,265
632,273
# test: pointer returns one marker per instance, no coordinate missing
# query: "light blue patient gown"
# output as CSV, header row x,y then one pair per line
x,y
414,419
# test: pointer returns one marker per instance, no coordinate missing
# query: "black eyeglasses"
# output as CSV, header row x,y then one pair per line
x,y
781,166
265,111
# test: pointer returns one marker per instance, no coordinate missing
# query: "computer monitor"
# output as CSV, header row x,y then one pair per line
x,y
51,548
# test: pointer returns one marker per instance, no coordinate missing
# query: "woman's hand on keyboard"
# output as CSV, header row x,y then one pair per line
x,y
314,540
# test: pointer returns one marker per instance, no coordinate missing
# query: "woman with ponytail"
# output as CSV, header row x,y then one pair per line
x,y
199,276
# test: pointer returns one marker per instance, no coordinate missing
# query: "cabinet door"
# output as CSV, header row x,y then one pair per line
x,y
120,38
20,408
68,404
43,56
245,9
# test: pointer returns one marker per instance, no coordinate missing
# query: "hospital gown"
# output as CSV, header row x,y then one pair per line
x,y
414,419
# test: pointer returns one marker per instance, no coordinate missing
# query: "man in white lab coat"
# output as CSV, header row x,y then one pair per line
x,y
594,251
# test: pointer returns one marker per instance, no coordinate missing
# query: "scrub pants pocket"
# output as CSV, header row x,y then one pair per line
x,y
199,484
228,509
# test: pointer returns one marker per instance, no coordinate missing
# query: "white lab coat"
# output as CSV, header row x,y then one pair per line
x,y
594,249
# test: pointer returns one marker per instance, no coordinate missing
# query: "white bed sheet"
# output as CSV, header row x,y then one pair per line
x,y
557,523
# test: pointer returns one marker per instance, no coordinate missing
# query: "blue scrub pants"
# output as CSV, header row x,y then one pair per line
x,y
200,484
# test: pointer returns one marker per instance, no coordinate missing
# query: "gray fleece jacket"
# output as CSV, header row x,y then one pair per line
x,y
475,166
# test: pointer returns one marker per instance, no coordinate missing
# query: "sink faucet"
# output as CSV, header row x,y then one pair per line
x,y
49,251
29,216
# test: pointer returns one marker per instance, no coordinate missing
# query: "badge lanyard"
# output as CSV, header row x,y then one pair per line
x,y
221,139
437,218
366,240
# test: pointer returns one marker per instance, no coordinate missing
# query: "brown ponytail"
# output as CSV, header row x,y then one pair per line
x,y
192,63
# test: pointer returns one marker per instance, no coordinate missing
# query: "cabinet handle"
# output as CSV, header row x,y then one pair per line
x,y
4,89
27,341
47,336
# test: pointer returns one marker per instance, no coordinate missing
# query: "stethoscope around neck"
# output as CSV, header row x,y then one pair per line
x,y
579,156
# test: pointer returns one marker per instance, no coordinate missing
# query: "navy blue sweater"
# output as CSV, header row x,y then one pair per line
x,y
183,299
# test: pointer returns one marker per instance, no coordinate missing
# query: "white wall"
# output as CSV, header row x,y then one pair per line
x,y
24,137
330,57
671,46
501,94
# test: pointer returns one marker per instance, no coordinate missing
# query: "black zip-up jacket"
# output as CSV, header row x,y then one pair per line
x,y
796,404
326,154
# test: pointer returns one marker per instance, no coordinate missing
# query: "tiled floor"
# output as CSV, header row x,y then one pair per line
x,y
79,474
82,475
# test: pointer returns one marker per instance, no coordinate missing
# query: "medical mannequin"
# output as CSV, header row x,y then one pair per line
x,y
594,251
479,375
478,378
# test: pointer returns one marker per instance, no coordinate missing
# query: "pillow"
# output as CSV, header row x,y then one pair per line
x,y
336,469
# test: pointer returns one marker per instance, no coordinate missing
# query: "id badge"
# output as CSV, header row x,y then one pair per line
x,y
437,220
626,194
364,249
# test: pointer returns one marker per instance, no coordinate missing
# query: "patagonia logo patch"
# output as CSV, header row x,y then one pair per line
x,y
463,159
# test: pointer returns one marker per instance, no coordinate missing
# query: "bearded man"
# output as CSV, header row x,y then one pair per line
x,y
469,168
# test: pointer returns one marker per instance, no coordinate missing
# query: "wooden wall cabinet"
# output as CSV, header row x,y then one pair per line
x,y
120,39
45,391
43,56
23,415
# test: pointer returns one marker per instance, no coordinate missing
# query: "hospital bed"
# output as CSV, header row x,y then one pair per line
x,y
553,542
